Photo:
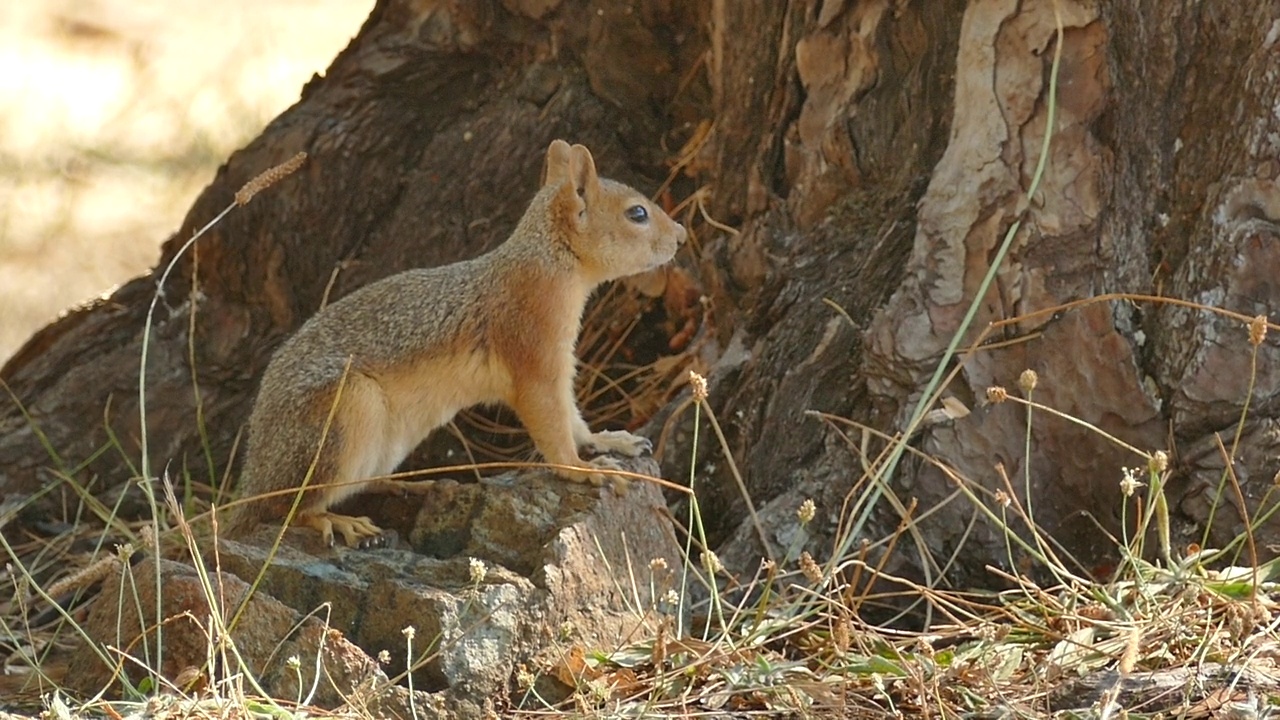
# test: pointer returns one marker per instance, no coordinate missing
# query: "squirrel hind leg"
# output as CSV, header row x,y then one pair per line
x,y
279,461
365,449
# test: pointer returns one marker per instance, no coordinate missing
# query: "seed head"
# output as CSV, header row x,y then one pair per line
x,y
88,575
524,678
1159,462
1258,330
268,178
810,568
699,384
1003,499
840,635
711,561
477,570
1027,381
806,512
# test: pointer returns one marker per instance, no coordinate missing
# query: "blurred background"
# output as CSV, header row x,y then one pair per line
x,y
114,114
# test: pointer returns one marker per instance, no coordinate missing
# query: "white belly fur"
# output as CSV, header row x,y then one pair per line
x,y
384,417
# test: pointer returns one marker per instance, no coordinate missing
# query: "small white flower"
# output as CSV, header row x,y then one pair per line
x,y
1159,461
711,561
806,511
477,570
1129,485
524,678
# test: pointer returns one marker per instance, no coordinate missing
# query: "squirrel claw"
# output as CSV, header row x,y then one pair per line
x,y
593,474
619,441
357,532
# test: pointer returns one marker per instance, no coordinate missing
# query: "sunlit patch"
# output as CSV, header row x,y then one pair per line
x,y
114,114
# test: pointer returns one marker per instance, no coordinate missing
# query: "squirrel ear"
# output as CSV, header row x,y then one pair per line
x,y
557,168
583,167
561,171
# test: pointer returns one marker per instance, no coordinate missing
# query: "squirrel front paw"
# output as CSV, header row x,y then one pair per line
x,y
619,441
596,473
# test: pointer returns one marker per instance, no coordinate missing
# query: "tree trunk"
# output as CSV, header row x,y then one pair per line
x,y
872,156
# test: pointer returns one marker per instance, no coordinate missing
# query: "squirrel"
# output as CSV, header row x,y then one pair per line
x,y
367,378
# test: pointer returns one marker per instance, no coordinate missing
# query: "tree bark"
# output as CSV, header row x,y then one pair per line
x,y
870,157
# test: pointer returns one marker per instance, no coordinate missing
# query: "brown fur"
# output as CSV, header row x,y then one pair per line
x,y
409,351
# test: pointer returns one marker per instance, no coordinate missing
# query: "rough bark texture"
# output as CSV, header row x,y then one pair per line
x,y
871,156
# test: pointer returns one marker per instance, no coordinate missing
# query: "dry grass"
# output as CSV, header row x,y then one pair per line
x,y
115,113
793,640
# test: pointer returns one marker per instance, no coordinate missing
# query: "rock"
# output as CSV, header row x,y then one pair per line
x,y
512,571
1208,689
267,634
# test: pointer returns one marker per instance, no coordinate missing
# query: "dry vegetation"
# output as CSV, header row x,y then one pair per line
x,y
115,113
1192,633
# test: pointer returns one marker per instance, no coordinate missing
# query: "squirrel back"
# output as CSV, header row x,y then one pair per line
x,y
367,378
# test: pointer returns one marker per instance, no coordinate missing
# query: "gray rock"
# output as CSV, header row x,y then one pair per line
x,y
511,571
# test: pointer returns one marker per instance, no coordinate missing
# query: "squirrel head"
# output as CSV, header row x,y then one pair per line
x,y
610,228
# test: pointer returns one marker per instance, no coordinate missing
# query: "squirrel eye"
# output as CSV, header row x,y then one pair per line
x,y
637,214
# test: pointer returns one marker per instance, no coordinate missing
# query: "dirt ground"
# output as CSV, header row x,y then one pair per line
x,y
114,114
